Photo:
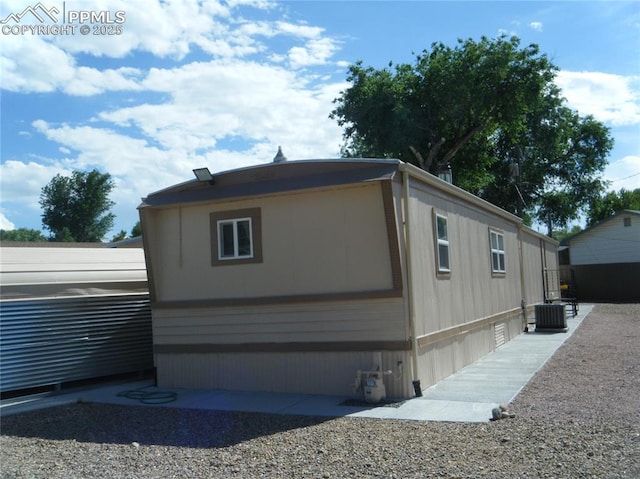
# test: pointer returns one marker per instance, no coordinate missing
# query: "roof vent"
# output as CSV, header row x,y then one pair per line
x,y
279,158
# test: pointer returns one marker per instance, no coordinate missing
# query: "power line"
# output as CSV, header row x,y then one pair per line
x,y
625,178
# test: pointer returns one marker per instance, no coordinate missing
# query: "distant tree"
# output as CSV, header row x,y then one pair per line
x,y
136,230
22,234
119,237
491,110
563,233
76,208
602,207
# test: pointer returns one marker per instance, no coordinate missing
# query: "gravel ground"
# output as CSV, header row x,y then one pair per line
x,y
578,418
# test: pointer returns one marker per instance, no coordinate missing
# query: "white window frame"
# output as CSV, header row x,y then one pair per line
x,y
498,257
236,240
442,242
218,219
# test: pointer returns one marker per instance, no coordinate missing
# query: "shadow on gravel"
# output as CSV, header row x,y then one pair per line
x,y
112,424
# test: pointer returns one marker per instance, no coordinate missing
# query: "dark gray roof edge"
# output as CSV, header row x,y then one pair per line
x,y
271,164
600,223
390,161
298,175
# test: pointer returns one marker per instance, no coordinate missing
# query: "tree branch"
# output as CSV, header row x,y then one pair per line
x,y
451,153
418,156
432,154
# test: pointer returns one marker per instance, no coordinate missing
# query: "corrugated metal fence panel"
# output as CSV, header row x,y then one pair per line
x,y
52,341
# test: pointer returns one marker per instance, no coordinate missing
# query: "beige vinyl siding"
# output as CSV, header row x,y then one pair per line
x,y
374,320
331,241
470,291
456,315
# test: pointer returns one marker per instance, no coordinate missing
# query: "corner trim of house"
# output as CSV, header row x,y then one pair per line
x,y
392,234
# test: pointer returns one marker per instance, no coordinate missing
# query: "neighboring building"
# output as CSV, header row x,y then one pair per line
x,y
54,270
135,242
293,276
605,259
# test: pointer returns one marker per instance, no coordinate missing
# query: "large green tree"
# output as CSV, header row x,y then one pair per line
x,y
491,111
558,173
76,207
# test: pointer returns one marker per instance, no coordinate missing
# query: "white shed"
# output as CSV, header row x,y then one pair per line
x,y
605,259
614,240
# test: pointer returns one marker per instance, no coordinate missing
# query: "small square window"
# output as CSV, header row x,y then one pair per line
x,y
236,237
626,221
442,244
497,252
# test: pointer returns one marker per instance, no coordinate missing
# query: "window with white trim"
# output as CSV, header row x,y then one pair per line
x,y
442,244
236,237
497,252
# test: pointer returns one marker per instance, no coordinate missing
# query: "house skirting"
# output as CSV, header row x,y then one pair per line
x,y
444,352
330,373
290,370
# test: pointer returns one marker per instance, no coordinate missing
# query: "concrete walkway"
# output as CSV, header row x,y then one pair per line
x,y
467,396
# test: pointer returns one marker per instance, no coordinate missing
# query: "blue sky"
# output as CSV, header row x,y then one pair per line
x,y
185,84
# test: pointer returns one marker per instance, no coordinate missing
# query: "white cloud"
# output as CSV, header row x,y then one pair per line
x,y
214,100
90,81
34,65
303,31
315,52
537,26
165,29
610,98
22,181
5,224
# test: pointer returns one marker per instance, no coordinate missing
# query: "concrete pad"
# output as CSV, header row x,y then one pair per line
x,y
466,396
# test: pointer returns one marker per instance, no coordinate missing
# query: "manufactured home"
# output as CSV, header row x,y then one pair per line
x,y
302,276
